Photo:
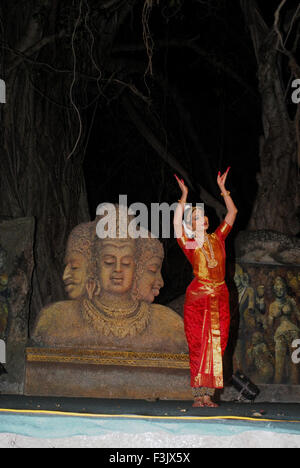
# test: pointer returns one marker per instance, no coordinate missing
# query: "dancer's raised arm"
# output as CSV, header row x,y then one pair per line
x,y
179,212
231,208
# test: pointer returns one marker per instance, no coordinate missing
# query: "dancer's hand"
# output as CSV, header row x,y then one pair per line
x,y
178,215
221,179
231,208
182,186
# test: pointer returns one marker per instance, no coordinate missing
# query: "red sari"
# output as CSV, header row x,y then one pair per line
x,y
206,310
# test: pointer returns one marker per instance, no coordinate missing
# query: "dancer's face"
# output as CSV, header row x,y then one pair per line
x,y
199,220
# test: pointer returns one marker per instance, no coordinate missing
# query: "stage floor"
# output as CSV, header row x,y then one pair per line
x,y
107,423
157,409
160,408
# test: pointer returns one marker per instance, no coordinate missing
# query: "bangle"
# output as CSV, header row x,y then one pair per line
x,y
180,201
225,194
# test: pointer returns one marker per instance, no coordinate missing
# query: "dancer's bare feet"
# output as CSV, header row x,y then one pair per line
x,y
208,402
198,403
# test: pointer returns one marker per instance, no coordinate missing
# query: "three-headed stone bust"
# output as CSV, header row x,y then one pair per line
x,y
111,284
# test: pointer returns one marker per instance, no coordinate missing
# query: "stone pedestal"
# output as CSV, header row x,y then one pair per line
x,y
106,374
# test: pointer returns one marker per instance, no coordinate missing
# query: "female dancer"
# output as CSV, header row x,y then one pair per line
x,y
206,307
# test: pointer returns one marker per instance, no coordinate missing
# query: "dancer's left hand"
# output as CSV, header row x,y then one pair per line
x,y
221,179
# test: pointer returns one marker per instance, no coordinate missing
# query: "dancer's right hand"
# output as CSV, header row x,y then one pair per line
x,y
182,186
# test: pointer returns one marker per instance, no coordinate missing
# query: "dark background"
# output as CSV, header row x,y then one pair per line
x,y
202,100
225,115
217,86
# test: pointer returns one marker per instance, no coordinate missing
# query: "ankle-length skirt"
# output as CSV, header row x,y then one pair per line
x,y
206,323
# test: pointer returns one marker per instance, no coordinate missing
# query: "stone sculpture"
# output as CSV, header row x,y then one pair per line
x,y
111,284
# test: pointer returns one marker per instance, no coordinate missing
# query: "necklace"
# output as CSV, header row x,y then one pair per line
x,y
211,262
120,322
118,312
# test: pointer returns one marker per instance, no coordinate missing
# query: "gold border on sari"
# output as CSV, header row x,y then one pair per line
x,y
225,228
211,373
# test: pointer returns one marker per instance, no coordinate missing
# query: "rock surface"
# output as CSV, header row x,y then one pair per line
x,y
16,268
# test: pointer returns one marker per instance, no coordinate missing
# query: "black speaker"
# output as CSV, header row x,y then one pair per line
x,y
243,384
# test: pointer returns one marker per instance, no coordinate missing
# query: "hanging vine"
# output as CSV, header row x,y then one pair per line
x,y
147,36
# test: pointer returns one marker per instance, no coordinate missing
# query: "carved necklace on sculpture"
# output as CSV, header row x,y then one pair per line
x,y
211,262
120,312
118,322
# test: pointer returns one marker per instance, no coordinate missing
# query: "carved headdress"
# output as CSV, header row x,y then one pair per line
x,y
147,248
81,239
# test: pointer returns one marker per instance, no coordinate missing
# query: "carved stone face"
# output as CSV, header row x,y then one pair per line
x,y
238,276
116,266
289,275
151,281
257,338
260,290
75,274
245,279
279,288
